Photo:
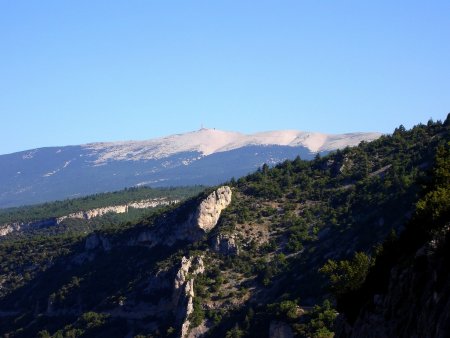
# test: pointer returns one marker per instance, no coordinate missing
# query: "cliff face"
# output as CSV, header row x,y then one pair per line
x,y
116,209
226,244
183,293
417,300
166,233
98,212
209,211
8,228
162,295
261,245
190,228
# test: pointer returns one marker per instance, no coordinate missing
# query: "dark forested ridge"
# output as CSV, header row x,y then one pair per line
x,y
295,245
407,291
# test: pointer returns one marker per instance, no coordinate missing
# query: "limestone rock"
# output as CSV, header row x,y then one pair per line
x,y
203,219
8,228
226,244
209,211
151,203
183,295
198,331
180,278
98,212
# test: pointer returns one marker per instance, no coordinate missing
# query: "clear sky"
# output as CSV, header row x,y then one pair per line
x,y
73,72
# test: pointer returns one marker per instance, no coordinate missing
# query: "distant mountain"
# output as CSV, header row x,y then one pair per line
x,y
352,244
206,156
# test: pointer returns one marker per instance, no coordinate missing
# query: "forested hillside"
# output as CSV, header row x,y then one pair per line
x,y
407,291
61,208
292,246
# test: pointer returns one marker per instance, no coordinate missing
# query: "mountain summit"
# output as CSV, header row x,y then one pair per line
x,y
210,141
205,156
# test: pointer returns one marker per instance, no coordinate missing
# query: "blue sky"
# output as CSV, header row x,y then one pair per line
x,y
73,72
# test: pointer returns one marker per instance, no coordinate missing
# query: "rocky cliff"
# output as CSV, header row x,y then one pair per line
x,y
208,212
226,244
170,230
190,227
262,243
183,293
8,228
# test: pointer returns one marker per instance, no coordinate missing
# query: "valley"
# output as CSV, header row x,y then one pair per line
x,y
301,248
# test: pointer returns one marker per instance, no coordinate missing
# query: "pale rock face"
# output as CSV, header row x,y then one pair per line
x,y
151,203
8,228
180,279
117,209
98,212
199,222
226,244
204,219
210,209
198,331
189,292
183,295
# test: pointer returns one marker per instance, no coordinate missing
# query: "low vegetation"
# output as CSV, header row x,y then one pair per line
x,y
310,235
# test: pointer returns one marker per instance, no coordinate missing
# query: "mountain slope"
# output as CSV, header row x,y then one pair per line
x,y
238,260
207,156
407,291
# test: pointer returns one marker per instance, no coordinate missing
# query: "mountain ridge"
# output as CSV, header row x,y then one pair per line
x,y
209,141
202,157
255,257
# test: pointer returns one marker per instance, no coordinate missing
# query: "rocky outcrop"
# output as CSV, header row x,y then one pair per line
x,y
280,330
98,212
8,228
198,223
205,218
209,211
117,209
226,244
192,226
198,331
183,294
151,203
